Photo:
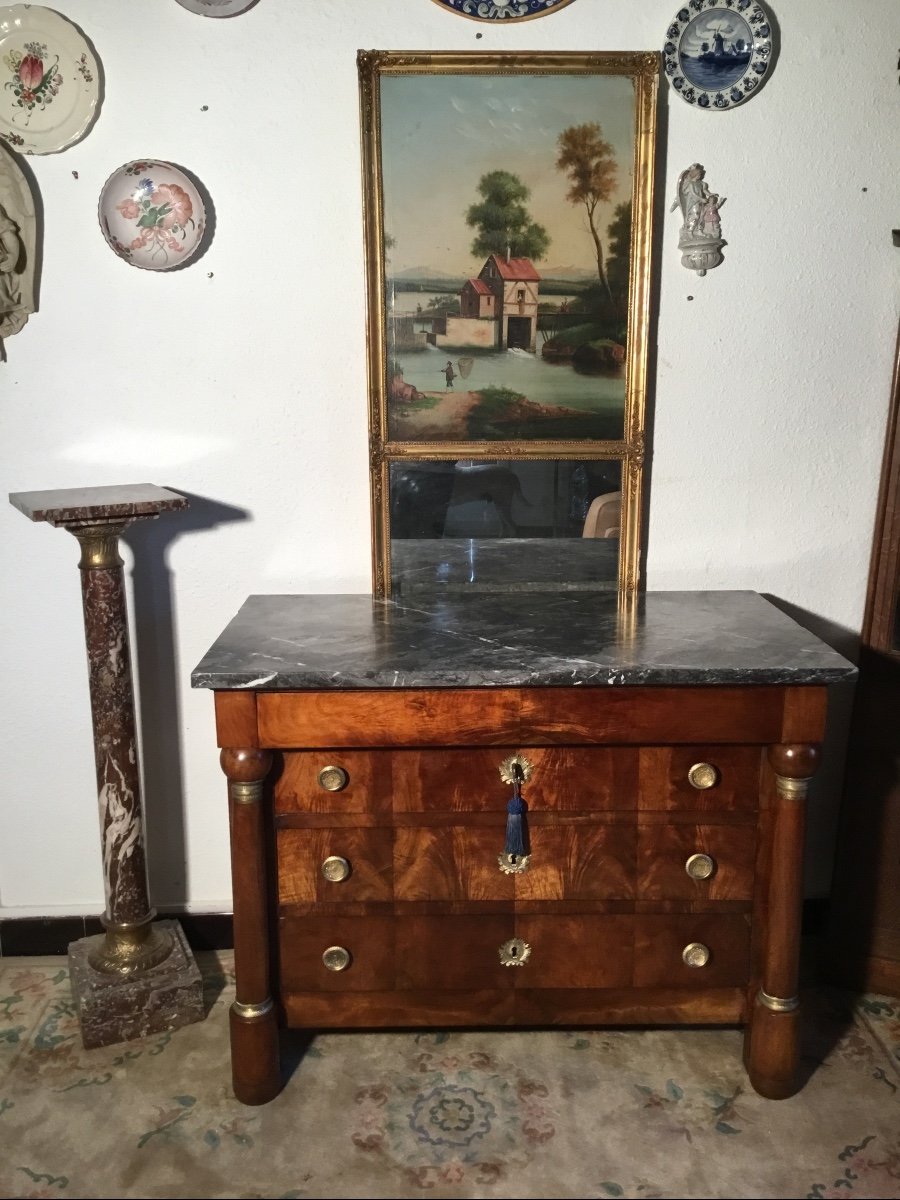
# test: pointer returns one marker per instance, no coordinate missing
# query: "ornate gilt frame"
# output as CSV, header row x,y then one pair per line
x,y
643,67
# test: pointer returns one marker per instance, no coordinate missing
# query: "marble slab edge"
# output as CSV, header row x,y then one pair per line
x,y
281,681
108,503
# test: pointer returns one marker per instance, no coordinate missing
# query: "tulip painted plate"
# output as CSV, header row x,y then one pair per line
x,y
513,10
49,80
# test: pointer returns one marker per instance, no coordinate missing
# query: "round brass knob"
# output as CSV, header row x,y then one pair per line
x,y
333,779
335,869
700,866
702,776
336,958
695,954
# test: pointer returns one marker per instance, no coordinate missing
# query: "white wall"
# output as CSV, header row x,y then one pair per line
x,y
224,380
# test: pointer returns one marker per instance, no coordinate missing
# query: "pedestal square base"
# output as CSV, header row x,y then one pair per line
x,y
119,1008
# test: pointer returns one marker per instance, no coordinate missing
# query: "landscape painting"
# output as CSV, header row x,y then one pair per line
x,y
506,246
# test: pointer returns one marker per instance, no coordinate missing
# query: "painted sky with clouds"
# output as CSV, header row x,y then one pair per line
x,y
441,133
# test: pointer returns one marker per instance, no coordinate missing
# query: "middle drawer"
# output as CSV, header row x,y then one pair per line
x,y
591,859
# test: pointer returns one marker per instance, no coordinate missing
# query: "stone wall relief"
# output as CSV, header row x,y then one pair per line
x,y
700,239
18,247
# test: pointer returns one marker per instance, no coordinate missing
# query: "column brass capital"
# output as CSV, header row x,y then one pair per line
x,y
246,793
99,544
792,789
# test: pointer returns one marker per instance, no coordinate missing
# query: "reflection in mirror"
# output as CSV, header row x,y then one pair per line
x,y
504,525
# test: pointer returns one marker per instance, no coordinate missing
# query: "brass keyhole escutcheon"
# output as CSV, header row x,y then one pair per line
x,y
335,869
700,866
336,958
702,776
513,864
515,953
695,954
333,779
516,769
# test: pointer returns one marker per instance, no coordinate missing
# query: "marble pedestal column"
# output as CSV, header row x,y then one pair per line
x,y
138,977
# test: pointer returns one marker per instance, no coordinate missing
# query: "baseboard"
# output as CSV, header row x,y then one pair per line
x,y
204,931
52,935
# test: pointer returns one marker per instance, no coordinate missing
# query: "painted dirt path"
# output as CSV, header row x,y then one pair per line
x,y
445,421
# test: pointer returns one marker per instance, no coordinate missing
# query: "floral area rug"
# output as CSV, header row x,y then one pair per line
x,y
630,1113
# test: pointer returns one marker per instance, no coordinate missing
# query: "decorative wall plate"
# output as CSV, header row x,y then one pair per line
x,y
718,52
488,10
152,214
49,80
217,8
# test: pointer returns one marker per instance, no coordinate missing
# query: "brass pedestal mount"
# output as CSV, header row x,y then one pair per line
x,y
129,947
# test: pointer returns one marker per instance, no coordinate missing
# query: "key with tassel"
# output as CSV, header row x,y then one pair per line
x,y
516,850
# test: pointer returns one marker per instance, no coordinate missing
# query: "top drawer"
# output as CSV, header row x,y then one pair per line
x,y
698,778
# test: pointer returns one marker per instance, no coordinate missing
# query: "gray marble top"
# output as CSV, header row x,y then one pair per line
x,y
523,639
65,506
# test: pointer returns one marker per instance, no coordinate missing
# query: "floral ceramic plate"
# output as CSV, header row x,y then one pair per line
x,y
217,8
152,215
487,10
49,81
717,52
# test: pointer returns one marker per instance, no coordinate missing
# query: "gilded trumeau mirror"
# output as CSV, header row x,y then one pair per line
x,y
507,202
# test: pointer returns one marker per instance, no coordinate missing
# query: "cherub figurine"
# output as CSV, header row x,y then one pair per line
x,y
712,226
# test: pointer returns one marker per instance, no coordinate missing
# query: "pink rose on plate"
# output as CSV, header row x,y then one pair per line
x,y
31,71
130,209
180,208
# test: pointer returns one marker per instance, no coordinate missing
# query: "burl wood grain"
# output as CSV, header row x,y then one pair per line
x,y
567,862
659,941
663,851
540,716
514,1006
453,953
566,779
301,853
370,940
664,782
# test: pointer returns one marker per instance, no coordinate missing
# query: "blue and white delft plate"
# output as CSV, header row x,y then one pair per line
x,y
514,10
717,53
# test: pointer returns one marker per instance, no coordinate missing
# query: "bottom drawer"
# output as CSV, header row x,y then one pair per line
x,y
463,953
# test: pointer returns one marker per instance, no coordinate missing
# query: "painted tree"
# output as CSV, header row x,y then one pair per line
x,y
503,222
618,259
589,161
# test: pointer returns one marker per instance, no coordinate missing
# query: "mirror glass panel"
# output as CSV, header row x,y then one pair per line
x,y
504,525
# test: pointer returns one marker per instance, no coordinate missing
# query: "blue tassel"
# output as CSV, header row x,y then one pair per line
x,y
515,824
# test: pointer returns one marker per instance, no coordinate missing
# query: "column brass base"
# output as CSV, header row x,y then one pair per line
x,y
126,949
117,1006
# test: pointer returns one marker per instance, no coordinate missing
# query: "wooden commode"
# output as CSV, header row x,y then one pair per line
x,y
663,755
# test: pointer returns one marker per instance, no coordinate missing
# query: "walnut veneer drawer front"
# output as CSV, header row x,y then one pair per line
x,y
541,716
697,777
469,953
611,860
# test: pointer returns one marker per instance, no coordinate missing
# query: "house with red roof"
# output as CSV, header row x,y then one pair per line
x,y
515,283
497,309
477,301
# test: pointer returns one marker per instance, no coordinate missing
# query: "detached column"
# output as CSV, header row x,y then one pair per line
x,y
138,977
